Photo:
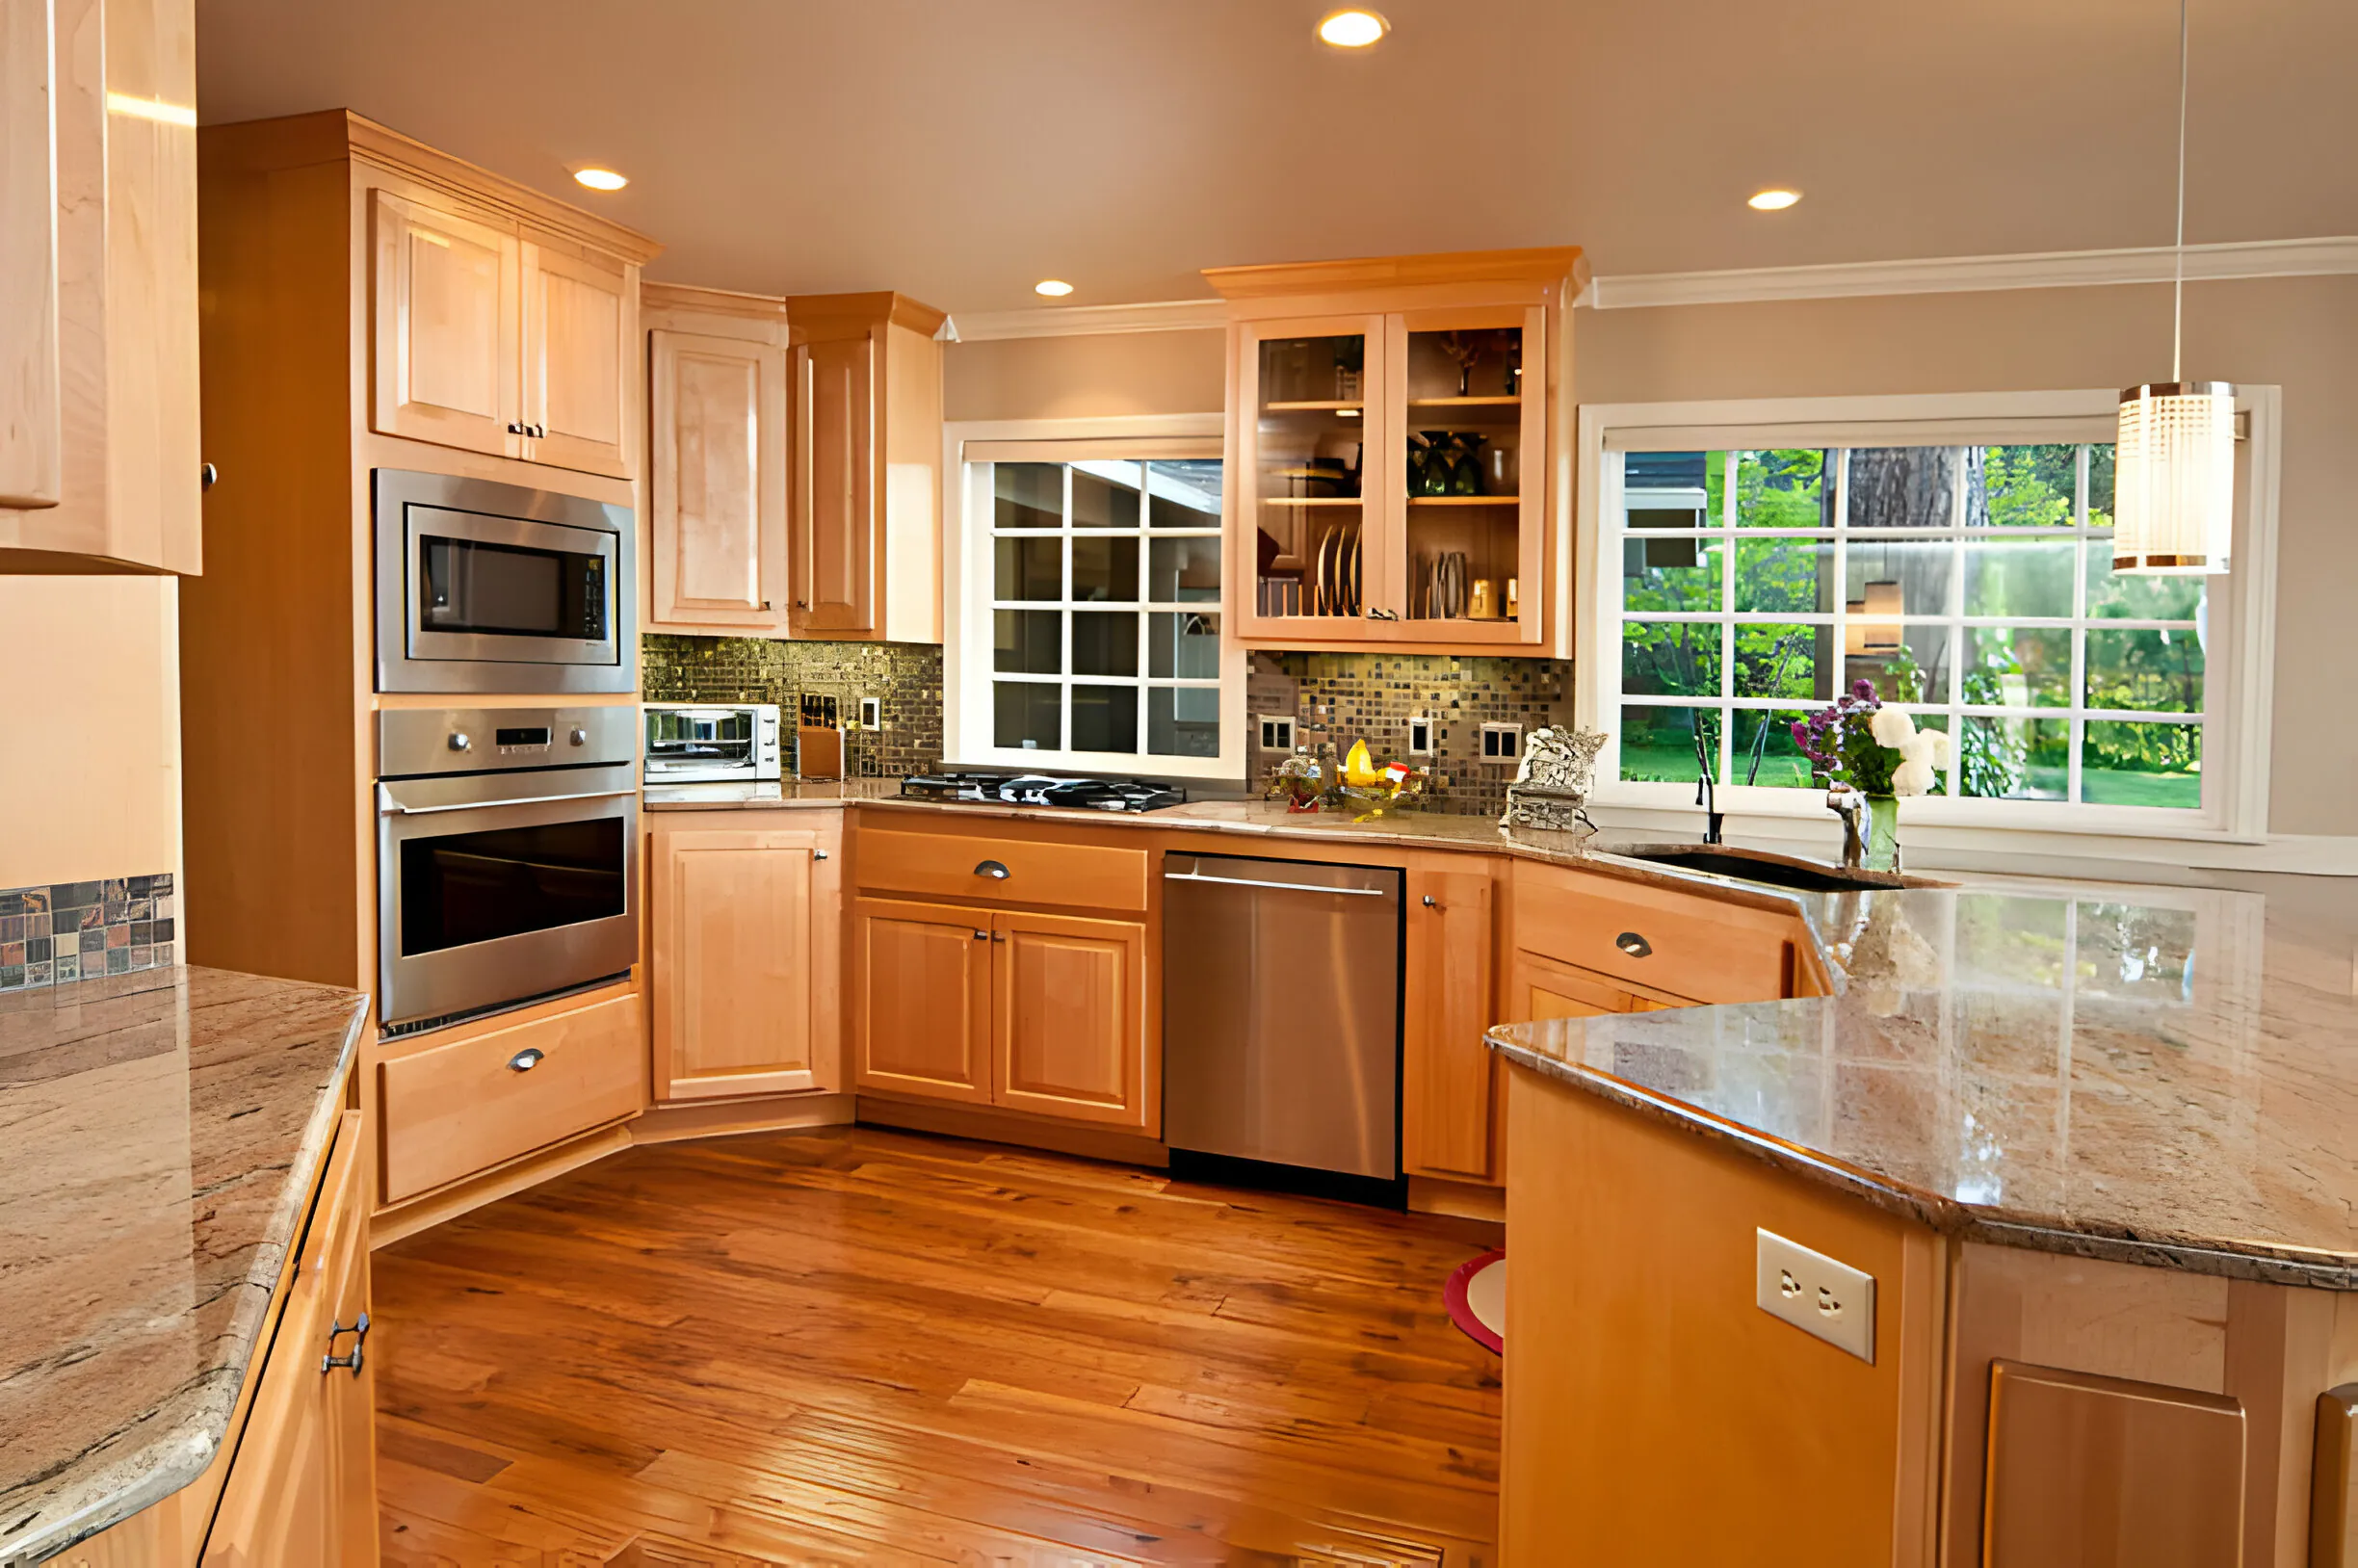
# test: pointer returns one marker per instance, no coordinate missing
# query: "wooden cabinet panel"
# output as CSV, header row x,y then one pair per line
x,y
1544,988
747,989
1448,1090
457,1108
581,324
301,1487
1070,1025
923,977
719,467
834,486
1679,945
31,454
959,865
447,340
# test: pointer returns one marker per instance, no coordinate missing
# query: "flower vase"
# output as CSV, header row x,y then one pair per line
x,y
1883,832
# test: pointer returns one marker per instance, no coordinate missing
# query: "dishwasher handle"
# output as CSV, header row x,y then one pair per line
x,y
1282,887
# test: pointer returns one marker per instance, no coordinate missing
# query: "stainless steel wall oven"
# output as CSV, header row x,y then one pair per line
x,y
494,588
506,847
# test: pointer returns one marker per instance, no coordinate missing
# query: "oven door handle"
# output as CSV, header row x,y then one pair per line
x,y
387,806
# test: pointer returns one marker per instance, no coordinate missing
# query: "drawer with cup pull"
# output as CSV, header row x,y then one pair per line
x,y
1686,945
1012,871
505,1088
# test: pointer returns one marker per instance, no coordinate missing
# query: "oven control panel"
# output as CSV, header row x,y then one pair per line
x,y
413,743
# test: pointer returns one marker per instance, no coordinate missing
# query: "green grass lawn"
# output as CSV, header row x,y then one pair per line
x,y
2099,786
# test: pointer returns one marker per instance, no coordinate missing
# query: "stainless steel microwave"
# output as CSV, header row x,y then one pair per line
x,y
484,587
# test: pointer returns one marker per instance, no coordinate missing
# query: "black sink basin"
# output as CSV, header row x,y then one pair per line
x,y
1775,870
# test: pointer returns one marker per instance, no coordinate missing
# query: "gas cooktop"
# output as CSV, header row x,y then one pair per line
x,y
1043,790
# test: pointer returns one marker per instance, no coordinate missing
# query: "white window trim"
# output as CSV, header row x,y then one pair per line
x,y
966,655
2240,662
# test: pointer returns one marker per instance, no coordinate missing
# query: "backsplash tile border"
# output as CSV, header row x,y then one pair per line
x,y
67,931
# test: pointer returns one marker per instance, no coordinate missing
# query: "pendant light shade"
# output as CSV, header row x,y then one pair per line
x,y
2173,502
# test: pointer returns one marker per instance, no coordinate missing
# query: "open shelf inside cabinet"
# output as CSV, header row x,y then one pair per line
x,y
1464,565
1310,564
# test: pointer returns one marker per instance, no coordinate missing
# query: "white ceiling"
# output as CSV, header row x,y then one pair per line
x,y
960,149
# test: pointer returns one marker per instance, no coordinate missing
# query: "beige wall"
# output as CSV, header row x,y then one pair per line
x,y
2299,333
89,728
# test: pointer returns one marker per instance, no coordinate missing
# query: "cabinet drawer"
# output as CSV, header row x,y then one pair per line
x,y
1670,942
453,1109
952,865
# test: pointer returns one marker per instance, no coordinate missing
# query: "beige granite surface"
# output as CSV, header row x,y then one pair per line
x,y
161,1131
2159,1076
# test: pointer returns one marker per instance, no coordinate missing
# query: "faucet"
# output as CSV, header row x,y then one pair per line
x,y
1850,806
1706,794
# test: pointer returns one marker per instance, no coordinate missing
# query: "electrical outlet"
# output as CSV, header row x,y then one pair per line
x,y
1420,736
872,713
1816,1294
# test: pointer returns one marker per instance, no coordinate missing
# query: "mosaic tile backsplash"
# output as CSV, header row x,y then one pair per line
x,y
77,930
1342,697
904,677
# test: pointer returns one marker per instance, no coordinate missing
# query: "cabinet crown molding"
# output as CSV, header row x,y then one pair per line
x,y
817,318
761,307
1545,264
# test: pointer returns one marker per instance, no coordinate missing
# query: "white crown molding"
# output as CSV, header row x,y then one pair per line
x,y
2322,257
1968,274
1087,320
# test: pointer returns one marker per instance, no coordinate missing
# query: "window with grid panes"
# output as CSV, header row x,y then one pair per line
x,y
1970,585
1104,587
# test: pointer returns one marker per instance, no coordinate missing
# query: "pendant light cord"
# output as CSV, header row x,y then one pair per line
x,y
2178,286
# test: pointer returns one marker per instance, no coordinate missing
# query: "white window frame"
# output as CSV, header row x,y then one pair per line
x,y
2240,655
967,711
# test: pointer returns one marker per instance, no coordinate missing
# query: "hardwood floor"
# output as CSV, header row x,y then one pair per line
x,y
874,1348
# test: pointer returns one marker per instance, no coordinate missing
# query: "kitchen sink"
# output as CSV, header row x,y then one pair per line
x,y
1775,870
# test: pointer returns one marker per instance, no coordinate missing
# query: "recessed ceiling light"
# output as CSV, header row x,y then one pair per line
x,y
1056,287
1772,200
601,179
1353,29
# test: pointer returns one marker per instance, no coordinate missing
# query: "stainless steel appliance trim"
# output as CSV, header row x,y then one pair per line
x,y
388,806
420,741
487,503
508,647
1282,887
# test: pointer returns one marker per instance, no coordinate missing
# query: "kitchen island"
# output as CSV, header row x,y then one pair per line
x,y
164,1134
2101,1139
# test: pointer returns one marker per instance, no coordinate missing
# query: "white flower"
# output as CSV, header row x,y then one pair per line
x,y
1914,776
1892,728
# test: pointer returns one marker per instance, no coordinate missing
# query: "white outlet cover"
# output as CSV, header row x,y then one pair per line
x,y
1816,1294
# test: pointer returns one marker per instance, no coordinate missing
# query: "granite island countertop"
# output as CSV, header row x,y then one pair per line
x,y
2156,1076
162,1132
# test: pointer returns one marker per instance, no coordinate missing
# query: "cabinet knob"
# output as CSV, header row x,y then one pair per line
x,y
1383,614
1432,903
998,936
514,427
359,1330
801,604
982,936
208,476
993,870
539,432
1634,945
765,606
526,1059
818,854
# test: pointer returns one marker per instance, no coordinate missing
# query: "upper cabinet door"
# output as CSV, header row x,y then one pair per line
x,y
834,536
718,528
31,454
581,317
447,341
1071,1037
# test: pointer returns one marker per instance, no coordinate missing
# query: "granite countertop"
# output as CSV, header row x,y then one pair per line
x,y
2157,1076
162,1133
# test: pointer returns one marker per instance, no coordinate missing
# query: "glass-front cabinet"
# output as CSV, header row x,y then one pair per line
x,y
1392,483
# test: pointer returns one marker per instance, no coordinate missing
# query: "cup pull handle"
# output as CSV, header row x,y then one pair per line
x,y
1634,945
993,870
526,1059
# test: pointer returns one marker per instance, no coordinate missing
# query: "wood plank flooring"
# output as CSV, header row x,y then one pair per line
x,y
862,1347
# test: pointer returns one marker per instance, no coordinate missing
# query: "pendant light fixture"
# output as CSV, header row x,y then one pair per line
x,y
2173,504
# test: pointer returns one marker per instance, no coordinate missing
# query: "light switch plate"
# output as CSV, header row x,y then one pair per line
x,y
1816,1294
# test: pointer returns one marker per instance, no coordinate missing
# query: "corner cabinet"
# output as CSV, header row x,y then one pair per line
x,y
493,336
100,461
865,501
715,555
1399,440
747,912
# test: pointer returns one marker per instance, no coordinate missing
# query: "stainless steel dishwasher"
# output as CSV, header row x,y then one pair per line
x,y
1281,996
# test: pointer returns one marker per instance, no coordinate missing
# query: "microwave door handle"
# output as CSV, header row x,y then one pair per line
x,y
387,806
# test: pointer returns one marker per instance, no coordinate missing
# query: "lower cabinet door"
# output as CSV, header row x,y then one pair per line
x,y
1071,1034
1448,1075
745,966
302,1487
924,976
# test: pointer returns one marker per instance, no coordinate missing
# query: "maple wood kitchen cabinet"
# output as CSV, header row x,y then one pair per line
x,y
1449,1078
100,460
716,532
922,983
865,503
747,911
494,336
